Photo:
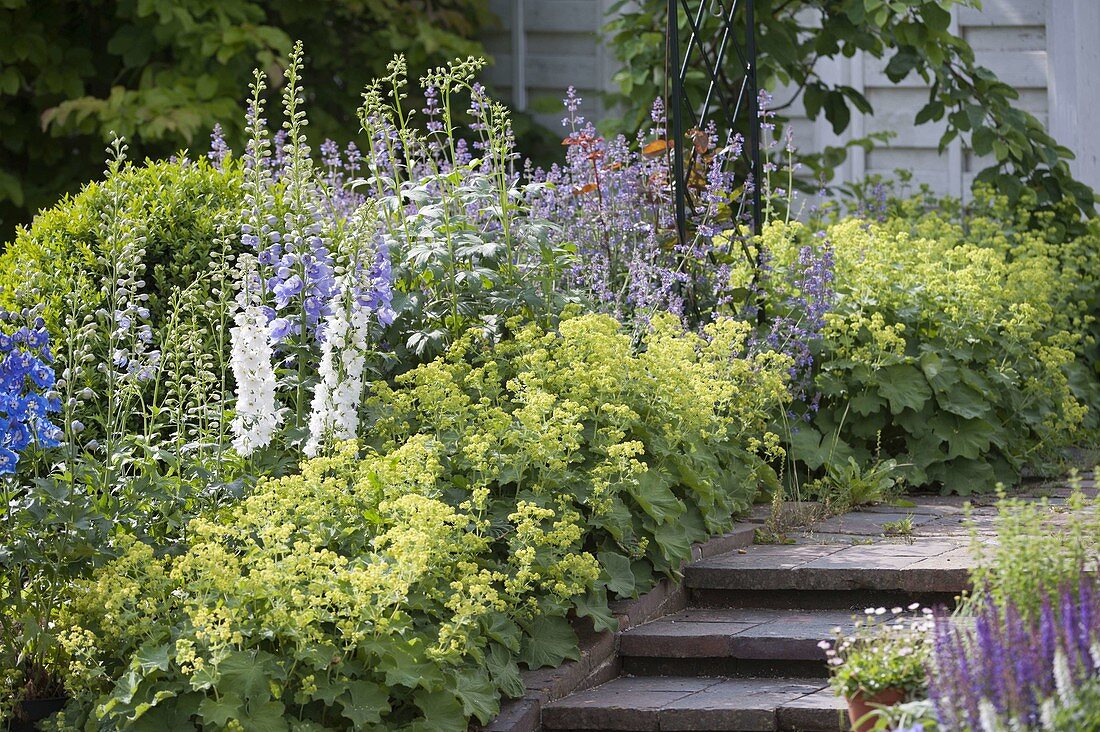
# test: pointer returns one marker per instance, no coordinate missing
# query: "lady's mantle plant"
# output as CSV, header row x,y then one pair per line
x,y
399,587
941,354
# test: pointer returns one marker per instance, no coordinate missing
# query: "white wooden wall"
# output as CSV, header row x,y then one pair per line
x,y
554,44
1008,36
1047,49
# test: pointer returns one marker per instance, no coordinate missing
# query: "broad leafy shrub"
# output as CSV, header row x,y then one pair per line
x,y
400,589
176,208
654,450
950,356
1025,232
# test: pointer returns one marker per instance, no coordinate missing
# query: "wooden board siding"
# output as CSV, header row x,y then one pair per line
x,y
561,47
1047,49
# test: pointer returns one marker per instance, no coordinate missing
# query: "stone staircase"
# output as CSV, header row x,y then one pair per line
x,y
743,655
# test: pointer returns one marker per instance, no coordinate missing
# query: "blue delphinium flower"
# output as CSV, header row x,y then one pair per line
x,y
26,393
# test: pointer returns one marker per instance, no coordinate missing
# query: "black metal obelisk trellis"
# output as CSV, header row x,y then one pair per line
x,y
729,100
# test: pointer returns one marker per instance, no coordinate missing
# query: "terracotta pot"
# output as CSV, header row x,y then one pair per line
x,y
30,712
859,706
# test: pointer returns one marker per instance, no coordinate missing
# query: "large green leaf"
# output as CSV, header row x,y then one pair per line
x,y
476,692
364,702
963,476
620,577
941,371
594,606
218,712
264,717
963,401
328,689
866,402
968,438
674,541
407,665
548,642
502,667
904,386
806,446
655,496
248,674
177,714
151,658
442,712
503,630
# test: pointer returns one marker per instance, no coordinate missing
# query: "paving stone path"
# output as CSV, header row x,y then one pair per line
x,y
743,656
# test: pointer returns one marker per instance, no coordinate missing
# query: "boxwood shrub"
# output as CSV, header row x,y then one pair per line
x,y
178,206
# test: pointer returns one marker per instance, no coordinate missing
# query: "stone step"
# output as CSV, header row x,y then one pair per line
x,y
780,574
732,642
647,704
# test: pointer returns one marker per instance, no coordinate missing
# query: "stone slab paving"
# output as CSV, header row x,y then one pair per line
x,y
644,704
856,551
766,607
754,634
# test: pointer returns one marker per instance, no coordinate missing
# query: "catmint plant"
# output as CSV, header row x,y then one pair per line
x,y
613,200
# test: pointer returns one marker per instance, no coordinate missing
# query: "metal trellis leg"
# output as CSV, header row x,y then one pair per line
x,y
676,103
707,49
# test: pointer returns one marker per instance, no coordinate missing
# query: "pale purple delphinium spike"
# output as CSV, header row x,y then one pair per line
x,y
219,149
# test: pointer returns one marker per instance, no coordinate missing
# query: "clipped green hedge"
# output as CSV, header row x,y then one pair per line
x,y
178,206
956,351
400,587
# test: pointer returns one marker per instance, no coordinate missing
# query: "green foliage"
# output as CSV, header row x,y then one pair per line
x,y
163,72
849,485
1080,712
134,272
952,357
901,527
1040,549
1025,231
793,38
400,589
912,716
654,450
178,209
467,249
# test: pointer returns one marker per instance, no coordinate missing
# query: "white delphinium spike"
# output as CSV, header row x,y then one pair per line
x,y
336,398
257,412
